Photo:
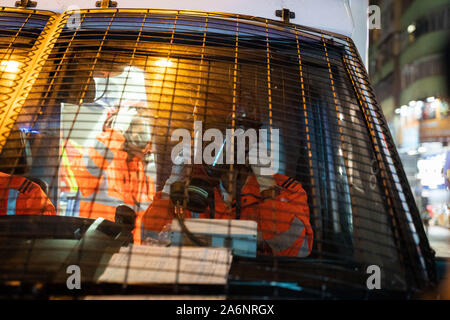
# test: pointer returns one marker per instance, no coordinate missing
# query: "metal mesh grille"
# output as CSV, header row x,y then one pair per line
x,y
21,34
130,71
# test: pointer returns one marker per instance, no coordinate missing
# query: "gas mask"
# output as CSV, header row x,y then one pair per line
x,y
222,173
138,137
138,133
125,94
226,160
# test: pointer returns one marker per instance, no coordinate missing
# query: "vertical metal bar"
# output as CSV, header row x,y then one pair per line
x,y
335,213
202,57
142,182
233,122
269,85
169,51
269,96
308,143
133,54
197,93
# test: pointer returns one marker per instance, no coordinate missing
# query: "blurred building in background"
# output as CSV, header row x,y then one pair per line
x,y
407,67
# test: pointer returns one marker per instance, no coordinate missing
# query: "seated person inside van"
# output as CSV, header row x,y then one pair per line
x,y
19,195
238,191
277,203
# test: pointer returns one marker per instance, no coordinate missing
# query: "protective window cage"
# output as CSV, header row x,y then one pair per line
x,y
198,153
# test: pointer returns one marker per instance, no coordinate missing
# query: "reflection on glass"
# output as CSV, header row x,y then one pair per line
x,y
100,127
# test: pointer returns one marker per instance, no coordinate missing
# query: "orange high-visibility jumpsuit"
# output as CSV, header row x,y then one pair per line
x,y
107,178
283,220
18,195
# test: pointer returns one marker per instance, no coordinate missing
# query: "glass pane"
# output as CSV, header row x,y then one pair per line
x,y
210,119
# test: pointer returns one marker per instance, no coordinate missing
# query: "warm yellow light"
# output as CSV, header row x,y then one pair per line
x,y
9,66
411,28
163,63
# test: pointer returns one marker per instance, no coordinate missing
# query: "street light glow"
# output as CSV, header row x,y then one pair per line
x,y
9,66
163,63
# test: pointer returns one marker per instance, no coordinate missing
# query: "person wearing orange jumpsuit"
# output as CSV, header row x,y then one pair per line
x,y
113,171
20,196
279,206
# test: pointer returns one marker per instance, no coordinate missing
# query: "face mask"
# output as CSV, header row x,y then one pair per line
x,y
139,133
